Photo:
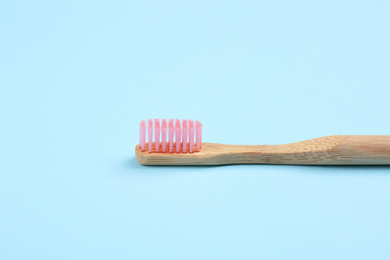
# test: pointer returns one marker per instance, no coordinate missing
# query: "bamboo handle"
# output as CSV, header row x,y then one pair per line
x,y
328,150
363,150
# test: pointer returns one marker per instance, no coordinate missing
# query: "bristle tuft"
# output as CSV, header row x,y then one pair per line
x,y
198,134
184,136
191,135
164,135
156,135
177,135
150,135
142,130
171,132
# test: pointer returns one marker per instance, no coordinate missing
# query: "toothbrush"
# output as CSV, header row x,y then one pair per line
x,y
188,149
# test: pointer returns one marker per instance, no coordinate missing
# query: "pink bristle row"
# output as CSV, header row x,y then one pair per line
x,y
142,137
198,127
191,135
171,132
177,135
185,135
157,134
182,134
150,135
164,135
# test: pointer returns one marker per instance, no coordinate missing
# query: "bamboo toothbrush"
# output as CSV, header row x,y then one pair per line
x,y
328,150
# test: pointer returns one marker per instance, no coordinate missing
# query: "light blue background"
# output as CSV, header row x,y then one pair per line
x,y
78,76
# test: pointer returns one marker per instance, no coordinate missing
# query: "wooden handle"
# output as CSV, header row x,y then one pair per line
x,y
363,150
328,150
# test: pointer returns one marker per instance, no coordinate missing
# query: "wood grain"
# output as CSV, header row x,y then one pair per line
x,y
328,150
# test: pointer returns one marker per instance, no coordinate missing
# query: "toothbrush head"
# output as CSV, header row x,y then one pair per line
x,y
180,135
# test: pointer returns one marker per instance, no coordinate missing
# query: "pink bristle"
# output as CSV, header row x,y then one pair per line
x,y
198,133
156,134
142,131
164,135
177,135
191,135
184,136
171,132
150,135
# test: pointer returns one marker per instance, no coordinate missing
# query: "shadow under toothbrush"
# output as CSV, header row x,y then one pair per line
x,y
132,163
